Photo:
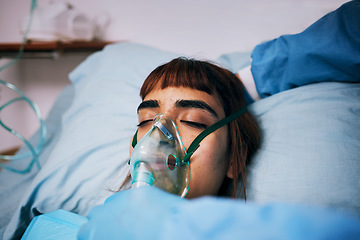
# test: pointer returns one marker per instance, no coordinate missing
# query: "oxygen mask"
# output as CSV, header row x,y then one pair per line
x,y
158,159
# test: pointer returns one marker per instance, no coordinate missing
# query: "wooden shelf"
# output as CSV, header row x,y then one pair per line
x,y
49,49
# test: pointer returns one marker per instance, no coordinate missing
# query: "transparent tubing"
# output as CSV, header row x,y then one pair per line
x,y
33,151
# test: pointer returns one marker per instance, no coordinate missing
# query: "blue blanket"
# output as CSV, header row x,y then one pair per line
x,y
149,213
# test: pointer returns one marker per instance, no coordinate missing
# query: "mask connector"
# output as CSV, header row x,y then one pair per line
x,y
142,176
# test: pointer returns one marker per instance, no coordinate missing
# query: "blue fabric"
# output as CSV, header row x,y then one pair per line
x,y
149,213
57,225
328,50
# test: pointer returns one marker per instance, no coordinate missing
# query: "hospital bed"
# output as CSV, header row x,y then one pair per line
x,y
309,153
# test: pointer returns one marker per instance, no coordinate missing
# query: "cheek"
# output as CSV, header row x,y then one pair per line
x,y
187,139
213,151
130,149
209,164
213,148
140,134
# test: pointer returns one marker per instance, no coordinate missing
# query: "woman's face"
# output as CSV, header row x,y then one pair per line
x,y
192,111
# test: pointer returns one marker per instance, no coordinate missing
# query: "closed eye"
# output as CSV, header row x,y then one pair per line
x,y
194,124
142,123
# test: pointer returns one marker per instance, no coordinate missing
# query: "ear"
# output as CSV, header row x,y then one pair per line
x,y
134,139
230,173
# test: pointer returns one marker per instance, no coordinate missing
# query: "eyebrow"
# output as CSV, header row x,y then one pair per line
x,y
196,104
180,104
148,104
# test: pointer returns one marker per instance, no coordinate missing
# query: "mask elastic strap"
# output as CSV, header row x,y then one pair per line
x,y
134,140
196,143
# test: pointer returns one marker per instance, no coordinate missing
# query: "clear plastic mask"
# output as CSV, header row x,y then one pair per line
x,y
158,159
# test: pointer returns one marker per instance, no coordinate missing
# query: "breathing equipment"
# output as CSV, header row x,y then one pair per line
x,y
33,151
160,158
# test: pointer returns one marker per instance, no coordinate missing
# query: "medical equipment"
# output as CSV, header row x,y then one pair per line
x,y
160,158
32,151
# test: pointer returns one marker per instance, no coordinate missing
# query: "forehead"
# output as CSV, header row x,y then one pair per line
x,y
176,93
170,95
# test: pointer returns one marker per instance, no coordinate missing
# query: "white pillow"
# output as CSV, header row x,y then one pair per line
x,y
311,147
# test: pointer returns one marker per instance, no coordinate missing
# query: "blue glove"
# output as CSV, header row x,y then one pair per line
x,y
149,213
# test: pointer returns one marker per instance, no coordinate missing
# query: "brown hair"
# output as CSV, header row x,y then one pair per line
x,y
204,76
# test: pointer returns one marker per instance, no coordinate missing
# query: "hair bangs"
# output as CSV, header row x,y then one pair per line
x,y
180,72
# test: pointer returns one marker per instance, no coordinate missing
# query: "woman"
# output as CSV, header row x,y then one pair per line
x,y
285,62
195,95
